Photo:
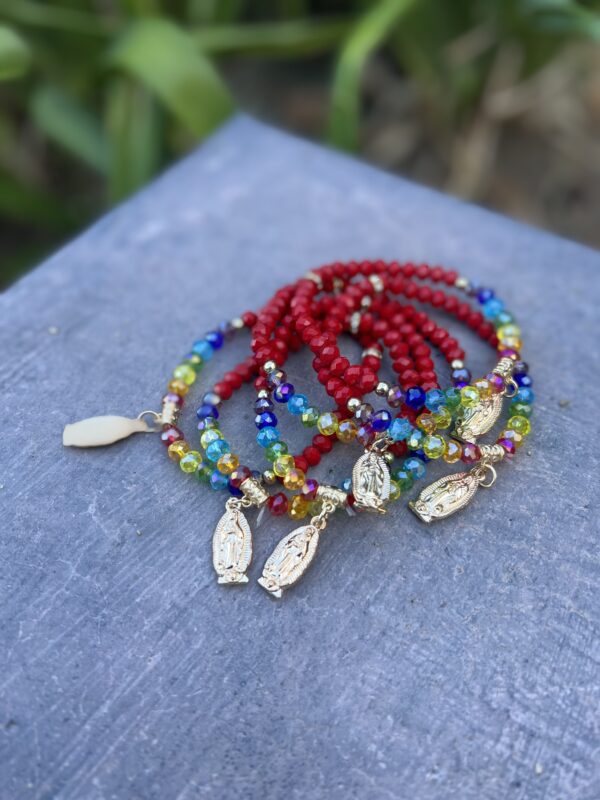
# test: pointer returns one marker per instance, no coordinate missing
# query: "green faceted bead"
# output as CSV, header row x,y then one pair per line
x,y
453,398
185,373
191,461
415,440
204,472
403,479
521,409
310,417
395,490
195,361
275,450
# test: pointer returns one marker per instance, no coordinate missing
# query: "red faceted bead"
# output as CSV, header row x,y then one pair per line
x,y
238,476
301,463
352,374
322,443
277,504
312,455
471,453
170,434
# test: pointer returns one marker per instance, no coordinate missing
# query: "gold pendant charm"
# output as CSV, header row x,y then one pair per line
x,y
445,496
232,539
294,553
371,482
476,421
290,559
232,544
98,431
453,492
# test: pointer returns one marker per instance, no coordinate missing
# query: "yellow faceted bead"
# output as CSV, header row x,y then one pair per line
x,y
209,436
328,423
484,387
453,452
178,449
469,396
512,342
177,386
520,425
443,418
508,331
227,463
513,436
395,491
283,464
426,422
185,373
347,430
298,508
434,446
191,461
294,479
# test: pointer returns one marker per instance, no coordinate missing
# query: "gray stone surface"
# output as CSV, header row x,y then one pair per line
x,y
459,661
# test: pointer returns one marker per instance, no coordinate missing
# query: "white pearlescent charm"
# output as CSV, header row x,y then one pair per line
x,y
99,431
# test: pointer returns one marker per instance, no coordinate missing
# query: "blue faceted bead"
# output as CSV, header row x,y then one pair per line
x,y
218,480
400,429
283,392
263,404
380,421
265,420
523,380
346,485
233,490
415,397
435,399
492,308
267,436
297,404
520,368
483,295
211,398
215,339
461,377
203,349
503,318
421,454
206,410
524,395
216,449
415,466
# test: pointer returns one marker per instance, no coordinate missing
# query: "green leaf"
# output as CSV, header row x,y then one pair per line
x,y
50,15
70,125
28,204
166,60
290,38
368,34
15,55
133,125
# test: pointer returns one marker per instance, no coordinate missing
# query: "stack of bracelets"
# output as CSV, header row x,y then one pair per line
x,y
408,423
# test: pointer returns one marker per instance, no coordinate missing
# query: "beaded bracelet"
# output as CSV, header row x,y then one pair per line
x,y
356,299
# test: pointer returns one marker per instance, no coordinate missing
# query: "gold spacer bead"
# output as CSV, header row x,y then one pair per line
x,y
353,404
270,366
382,389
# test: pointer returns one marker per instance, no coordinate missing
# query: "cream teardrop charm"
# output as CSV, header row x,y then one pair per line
x,y
232,545
371,482
290,559
98,431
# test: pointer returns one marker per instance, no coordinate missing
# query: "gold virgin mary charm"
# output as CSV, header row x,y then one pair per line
x,y
371,482
290,559
445,496
232,545
476,421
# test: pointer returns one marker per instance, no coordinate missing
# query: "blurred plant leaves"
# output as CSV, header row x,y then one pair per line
x,y
287,38
70,125
564,18
134,130
369,33
167,61
15,55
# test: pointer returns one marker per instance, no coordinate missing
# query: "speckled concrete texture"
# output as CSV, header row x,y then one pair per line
x,y
455,661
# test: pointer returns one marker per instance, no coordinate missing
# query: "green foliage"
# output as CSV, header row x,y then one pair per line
x,y
107,93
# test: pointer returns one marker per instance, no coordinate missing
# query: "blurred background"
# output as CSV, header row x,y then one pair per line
x,y
497,101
